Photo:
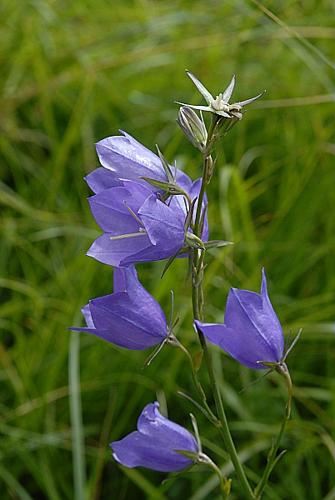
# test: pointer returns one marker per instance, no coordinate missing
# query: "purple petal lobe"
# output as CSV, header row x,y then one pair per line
x,y
115,209
88,316
129,159
124,328
232,343
244,313
101,179
120,252
164,225
270,321
144,305
119,279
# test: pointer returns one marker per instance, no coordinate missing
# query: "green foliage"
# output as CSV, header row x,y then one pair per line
x,y
75,72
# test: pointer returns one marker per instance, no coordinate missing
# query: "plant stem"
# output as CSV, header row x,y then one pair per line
x,y
78,452
223,482
224,428
197,265
272,457
197,384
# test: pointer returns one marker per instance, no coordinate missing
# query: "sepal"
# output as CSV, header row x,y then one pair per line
x,y
167,169
188,454
171,188
217,244
194,241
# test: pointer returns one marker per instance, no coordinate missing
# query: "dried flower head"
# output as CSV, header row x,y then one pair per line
x,y
220,104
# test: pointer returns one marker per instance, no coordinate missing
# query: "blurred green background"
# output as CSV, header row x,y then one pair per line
x,y
75,72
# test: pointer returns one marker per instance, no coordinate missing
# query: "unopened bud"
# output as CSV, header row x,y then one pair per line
x,y
209,169
193,127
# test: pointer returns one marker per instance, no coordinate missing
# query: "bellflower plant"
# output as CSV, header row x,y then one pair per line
x,y
150,210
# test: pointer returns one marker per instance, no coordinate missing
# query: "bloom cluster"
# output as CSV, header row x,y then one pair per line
x,y
150,210
140,224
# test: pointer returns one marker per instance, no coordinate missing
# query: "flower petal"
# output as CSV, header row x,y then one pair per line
x,y
119,252
88,316
244,316
193,106
226,94
248,101
110,211
110,207
244,350
202,89
154,425
164,225
101,179
135,450
143,303
117,320
128,158
222,113
270,321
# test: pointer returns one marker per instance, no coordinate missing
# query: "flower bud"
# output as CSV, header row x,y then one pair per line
x,y
193,127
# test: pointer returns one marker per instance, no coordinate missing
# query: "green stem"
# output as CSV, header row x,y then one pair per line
x,y
223,482
197,265
78,451
196,382
207,164
224,429
273,458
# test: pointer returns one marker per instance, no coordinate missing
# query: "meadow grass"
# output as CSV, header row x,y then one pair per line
x,y
75,72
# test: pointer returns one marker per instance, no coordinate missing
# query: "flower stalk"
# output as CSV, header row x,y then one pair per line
x,y
273,458
197,266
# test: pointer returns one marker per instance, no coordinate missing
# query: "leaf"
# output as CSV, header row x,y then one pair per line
x,y
196,404
168,264
197,360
